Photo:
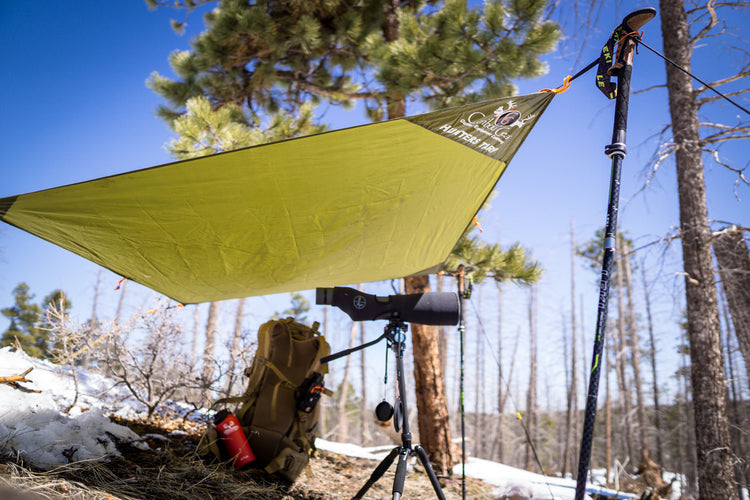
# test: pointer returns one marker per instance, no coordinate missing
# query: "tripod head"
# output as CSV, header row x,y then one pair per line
x,y
432,308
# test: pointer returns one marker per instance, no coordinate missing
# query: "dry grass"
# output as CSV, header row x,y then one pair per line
x,y
172,470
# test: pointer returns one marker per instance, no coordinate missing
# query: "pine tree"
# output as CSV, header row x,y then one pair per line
x,y
203,131
27,325
265,56
24,316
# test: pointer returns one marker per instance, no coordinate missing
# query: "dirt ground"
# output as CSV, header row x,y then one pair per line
x,y
170,469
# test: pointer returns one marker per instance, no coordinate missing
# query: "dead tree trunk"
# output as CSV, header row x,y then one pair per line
x,y
194,343
342,424
531,394
655,386
635,349
621,361
234,351
209,349
500,381
715,459
567,459
364,410
734,269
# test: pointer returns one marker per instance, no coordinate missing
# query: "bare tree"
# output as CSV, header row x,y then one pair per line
x,y
732,255
621,345
652,355
715,459
153,370
572,396
234,350
364,416
635,348
531,395
209,348
342,419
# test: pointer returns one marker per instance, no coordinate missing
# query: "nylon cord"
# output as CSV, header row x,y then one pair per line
x,y
691,75
639,41
585,70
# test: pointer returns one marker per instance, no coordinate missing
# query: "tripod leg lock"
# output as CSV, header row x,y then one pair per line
x,y
617,148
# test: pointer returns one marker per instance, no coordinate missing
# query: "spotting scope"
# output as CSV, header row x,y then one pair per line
x,y
432,308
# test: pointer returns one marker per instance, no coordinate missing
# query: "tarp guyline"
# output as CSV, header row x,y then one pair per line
x,y
368,203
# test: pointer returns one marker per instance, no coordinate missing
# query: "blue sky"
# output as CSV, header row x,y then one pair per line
x,y
76,106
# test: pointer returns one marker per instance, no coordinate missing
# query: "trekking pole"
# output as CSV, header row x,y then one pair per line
x,y
463,294
627,36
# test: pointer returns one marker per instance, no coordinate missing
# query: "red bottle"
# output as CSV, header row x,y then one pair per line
x,y
233,438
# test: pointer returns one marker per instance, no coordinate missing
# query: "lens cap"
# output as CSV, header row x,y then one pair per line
x,y
384,411
398,415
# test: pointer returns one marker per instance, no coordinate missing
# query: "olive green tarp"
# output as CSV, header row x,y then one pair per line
x,y
368,203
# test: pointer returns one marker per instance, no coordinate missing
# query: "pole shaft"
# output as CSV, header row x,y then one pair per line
x,y
461,330
617,152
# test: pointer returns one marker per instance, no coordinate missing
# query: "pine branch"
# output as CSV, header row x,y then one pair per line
x,y
295,78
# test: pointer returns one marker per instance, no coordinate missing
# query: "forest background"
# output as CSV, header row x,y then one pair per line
x,y
78,108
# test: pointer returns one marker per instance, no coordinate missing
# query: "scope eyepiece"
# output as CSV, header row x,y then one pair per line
x,y
324,296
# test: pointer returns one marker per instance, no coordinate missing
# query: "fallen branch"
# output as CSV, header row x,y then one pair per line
x,y
15,380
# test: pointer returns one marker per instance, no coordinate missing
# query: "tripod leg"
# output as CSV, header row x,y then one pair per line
x,y
378,472
398,481
430,473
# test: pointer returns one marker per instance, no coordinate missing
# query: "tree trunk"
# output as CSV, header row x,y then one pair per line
x,y
432,408
621,361
655,385
734,268
234,352
364,414
715,467
342,424
608,411
531,394
194,343
209,349
500,381
635,349
567,459
479,432
736,424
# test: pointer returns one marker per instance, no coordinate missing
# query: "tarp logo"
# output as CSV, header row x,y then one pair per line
x,y
508,118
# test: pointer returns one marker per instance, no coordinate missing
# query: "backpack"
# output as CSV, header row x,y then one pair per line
x,y
278,411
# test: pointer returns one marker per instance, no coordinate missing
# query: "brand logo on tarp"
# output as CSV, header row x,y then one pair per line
x,y
359,302
488,133
490,128
508,118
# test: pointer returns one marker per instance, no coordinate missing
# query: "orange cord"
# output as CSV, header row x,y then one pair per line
x,y
565,86
476,223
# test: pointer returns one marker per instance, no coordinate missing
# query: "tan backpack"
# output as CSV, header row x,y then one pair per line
x,y
278,411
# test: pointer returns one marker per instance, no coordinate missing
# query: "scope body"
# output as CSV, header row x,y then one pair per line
x,y
431,308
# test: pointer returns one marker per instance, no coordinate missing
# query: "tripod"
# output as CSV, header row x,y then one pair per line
x,y
395,335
